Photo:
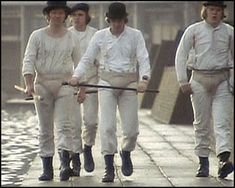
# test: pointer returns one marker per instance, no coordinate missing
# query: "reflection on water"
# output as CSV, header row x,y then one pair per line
x,y
19,130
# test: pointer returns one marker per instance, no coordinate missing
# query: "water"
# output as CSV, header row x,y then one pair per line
x,y
19,143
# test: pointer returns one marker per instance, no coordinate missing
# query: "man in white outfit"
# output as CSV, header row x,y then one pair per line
x,y
80,18
51,53
120,48
211,42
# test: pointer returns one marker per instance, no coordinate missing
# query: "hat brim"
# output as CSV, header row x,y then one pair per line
x,y
116,16
82,6
48,9
76,9
214,4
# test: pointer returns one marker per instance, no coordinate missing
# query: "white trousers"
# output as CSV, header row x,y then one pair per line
x,y
90,119
77,131
127,104
218,105
57,108
85,131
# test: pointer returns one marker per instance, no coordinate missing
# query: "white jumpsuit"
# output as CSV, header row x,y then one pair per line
x,y
90,105
53,61
117,55
211,79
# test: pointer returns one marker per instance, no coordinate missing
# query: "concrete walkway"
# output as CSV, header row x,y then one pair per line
x,y
164,157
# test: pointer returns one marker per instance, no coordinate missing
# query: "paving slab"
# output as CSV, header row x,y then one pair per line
x,y
164,157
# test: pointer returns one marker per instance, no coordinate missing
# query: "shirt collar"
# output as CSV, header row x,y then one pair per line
x,y
213,28
123,32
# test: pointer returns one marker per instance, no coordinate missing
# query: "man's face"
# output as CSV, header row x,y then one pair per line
x,y
78,18
117,25
57,16
214,15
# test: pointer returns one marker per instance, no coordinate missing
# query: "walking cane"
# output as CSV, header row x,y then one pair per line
x,y
112,87
28,98
41,98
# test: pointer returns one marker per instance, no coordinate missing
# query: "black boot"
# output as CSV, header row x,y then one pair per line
x,y
76,164
225,166
47,174
70,159
203,169
65,170
109,169
88,159
127,167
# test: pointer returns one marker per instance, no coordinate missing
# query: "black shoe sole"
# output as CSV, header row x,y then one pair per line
x,y
46,177
202,175
107,181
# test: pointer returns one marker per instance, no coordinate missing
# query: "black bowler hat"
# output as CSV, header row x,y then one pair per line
x,y
117,10
215,3
56,4
80,6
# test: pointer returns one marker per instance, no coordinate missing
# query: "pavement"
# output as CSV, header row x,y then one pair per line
x,y
164,157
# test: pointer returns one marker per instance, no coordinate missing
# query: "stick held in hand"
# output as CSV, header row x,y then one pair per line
x,y
28,98
111,87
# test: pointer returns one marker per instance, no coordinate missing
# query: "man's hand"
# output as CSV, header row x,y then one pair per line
x,y
74,81
142,86
81,95
186,88
29,90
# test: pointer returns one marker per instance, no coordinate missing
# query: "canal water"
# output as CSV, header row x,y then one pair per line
x,y
19,143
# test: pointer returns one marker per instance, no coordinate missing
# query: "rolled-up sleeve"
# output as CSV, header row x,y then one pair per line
x,y
30,55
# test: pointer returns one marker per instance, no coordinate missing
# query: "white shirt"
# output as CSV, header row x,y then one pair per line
x,y
213,48
84,38
48,55
119,54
